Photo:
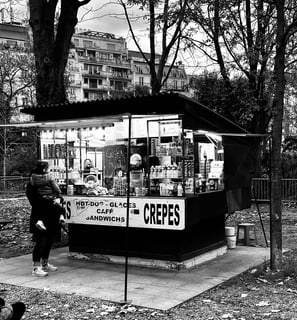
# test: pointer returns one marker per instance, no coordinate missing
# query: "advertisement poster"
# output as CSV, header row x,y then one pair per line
x,y
151,213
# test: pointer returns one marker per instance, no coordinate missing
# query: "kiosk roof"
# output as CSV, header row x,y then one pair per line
x,y
196,116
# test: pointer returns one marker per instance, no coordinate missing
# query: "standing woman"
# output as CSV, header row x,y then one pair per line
x,y
47,215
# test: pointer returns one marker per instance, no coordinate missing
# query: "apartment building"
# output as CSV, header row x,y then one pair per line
x,y
13,35
176,81
101,66
98,66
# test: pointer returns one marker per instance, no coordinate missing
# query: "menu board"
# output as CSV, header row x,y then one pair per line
x,y
115,157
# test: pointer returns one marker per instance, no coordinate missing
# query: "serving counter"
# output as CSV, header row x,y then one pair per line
x,y
164,228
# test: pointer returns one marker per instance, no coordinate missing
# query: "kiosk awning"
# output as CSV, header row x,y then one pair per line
x,y
195,115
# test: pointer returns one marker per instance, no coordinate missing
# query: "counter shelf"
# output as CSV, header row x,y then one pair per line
x,y
159,227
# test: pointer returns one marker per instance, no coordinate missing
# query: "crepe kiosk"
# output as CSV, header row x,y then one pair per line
x,y
149,177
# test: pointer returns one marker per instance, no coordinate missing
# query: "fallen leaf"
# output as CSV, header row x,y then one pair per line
x,y
262,304
263,280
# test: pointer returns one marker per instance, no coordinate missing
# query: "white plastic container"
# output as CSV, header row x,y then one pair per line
x,y
231,242
229,231
230,237
70,190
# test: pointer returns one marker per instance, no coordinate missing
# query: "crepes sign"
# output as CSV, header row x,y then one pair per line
x,y
152,213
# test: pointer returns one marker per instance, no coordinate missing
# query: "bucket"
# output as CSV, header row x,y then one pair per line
x,y
229,231
231,241
230,237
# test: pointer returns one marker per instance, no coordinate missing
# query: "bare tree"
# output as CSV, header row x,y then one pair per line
x,y
286,28
255,39
169,18
239,38
17,78
51,45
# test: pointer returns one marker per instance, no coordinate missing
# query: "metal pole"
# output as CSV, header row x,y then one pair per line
x,y
80,154
261,221
127,213
66,158
270,193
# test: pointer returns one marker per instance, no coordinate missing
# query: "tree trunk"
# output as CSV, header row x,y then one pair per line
x,y
278,106
51,46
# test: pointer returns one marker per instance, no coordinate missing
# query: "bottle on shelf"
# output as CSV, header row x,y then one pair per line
x,y
180,190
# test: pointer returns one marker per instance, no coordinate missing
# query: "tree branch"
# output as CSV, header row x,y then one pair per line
x,y
82,3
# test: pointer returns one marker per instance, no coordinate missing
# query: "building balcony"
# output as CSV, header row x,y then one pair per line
x,y
104,61
143,84
99,74
128,77
102,87
75,83
74,69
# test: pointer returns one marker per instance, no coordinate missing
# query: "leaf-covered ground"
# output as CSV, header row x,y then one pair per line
x,y
255,294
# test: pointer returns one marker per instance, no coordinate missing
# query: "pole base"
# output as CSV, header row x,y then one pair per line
x,y
123,302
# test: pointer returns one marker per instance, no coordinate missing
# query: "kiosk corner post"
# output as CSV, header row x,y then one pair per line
x,y
183,153
38,144
125,301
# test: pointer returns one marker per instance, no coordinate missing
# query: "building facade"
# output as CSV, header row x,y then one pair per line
x,y
98,66
13,35
101,66
177,80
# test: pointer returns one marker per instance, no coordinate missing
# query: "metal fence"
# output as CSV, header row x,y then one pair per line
x,y
13,184
261,189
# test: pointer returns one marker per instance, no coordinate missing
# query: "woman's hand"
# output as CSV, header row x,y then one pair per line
x,y
40,225
62,219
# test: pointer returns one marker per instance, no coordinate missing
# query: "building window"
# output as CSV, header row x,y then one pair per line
x,y
111,46
86,81
25,101
12,43
141,81
87,43
86,95
138,69
93,83
91,54
76,42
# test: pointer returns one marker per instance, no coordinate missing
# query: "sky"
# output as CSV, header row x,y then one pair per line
x,y
108,16
103,16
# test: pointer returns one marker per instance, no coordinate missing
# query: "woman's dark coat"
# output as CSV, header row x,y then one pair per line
x,y
45,210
